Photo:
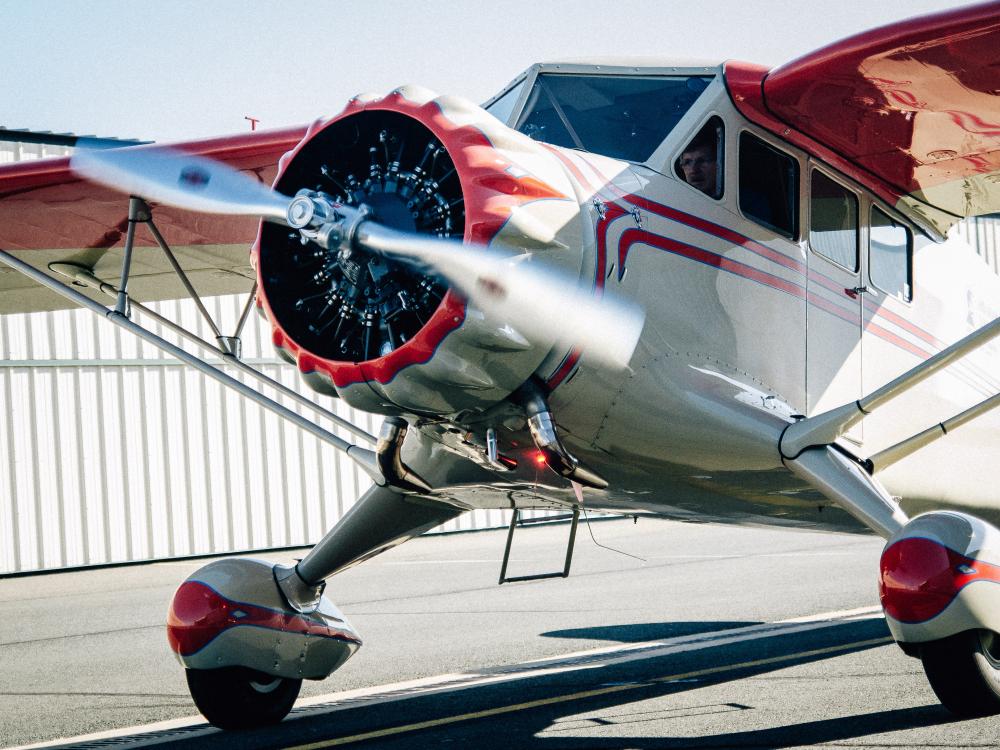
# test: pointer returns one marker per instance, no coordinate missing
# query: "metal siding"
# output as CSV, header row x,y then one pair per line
x,y
113,452
126,455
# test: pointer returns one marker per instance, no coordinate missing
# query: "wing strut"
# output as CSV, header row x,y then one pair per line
x,y
365,458
904,448
825,428
229,348
808,447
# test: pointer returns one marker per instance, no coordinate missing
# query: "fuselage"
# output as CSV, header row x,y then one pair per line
x,y
749,325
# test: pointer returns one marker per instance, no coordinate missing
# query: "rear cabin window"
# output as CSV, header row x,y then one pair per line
x,y
833,221
890,256
769,186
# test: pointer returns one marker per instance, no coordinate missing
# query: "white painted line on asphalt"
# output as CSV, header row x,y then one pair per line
x,y
188,726
194,726
735,556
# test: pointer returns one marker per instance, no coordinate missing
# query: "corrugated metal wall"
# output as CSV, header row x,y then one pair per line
x,y
10,151
113,452
983,233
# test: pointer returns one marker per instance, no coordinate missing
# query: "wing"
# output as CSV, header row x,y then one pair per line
x,y
911,110
49,215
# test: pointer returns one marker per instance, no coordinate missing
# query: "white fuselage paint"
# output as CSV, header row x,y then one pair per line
x,y
745,328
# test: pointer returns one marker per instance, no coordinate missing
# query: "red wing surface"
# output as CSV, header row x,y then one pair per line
x,y
914,106
48,215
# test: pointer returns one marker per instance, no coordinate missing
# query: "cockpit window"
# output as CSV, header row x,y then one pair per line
x,y
625,117
504,105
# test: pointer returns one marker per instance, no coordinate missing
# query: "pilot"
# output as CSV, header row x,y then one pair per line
x,y
699,164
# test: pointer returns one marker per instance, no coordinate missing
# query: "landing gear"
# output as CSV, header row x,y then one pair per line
x,y
964,671
240,698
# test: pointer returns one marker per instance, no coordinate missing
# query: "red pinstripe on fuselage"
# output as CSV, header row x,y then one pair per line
x,y
619,204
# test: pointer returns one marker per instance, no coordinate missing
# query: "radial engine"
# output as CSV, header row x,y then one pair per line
x,y
385,335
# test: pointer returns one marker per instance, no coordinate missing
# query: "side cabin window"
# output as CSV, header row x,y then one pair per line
x,y
769,186
890,256
624,117
833,221
700,164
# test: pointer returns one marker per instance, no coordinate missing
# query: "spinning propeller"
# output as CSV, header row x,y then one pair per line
x,y
544,306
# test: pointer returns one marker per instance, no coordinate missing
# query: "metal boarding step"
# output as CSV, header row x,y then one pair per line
x,y
515,520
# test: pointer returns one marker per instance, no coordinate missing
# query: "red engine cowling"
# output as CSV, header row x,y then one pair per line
x,y
384,336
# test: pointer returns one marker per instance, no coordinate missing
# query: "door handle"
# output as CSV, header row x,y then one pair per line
x,y
853,292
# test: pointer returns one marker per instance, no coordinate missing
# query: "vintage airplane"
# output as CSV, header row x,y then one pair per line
x,y
807,328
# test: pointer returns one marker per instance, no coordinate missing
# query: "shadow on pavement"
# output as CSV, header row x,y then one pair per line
x,y
549,712
646,631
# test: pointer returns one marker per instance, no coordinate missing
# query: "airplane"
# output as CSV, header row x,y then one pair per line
x,y
713,292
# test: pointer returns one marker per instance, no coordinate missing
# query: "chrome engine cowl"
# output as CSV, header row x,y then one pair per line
x,y
385,336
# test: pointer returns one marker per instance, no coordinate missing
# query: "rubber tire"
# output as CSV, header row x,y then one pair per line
x,y
964,671
240,698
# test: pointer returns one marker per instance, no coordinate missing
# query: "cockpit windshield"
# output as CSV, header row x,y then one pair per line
x,y
625,117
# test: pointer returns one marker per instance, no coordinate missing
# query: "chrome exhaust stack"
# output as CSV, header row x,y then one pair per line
x,y
546,437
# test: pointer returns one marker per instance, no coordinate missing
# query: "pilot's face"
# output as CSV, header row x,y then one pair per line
x,y
699,167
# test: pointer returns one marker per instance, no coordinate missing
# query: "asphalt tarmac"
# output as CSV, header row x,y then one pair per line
x,y
718,637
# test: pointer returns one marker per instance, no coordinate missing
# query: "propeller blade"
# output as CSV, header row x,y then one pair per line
x,y
168,176
543,305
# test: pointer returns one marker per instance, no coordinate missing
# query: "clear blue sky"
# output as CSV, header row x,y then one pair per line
x,y
176,69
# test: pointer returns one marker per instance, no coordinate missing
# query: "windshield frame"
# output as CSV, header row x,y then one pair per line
x,y
518,105
529,78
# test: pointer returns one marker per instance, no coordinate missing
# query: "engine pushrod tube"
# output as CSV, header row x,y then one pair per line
x,y
363,457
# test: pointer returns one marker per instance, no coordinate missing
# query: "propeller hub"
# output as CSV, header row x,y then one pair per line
x,y
301,211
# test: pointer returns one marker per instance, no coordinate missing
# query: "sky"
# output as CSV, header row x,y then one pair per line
x,y
176,70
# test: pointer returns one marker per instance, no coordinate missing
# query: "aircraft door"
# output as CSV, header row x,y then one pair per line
x,y
836,296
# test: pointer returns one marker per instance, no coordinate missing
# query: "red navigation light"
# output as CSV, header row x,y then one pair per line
x,y
539,458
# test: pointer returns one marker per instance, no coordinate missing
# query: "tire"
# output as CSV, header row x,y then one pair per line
x,y
240,698
964,671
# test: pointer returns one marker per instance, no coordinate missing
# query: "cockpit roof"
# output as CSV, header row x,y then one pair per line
x,y
640,64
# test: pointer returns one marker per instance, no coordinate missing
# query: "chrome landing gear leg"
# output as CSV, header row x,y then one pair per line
x,y
381,519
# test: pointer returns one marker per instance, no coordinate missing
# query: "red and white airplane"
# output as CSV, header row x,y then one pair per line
x,y
705,291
